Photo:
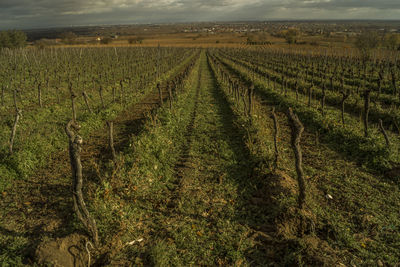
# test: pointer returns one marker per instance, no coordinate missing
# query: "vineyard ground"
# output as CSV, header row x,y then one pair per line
x,y
362,202
193,186
39,208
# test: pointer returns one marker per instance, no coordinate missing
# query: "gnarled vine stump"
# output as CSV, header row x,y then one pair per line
x,y
75,144
297,129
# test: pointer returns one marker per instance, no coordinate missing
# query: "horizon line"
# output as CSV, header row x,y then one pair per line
x,y
199,22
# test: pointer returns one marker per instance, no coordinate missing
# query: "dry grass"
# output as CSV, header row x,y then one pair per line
x,y
312,44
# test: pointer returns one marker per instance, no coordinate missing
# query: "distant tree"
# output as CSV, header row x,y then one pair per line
x,y
258,39
68,37
18,38
5,39
12,39
291,36
392,41
366,42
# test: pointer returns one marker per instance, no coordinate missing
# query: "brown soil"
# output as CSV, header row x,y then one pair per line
x,y
69,251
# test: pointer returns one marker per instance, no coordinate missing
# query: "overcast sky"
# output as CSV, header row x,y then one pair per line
x,y
46,13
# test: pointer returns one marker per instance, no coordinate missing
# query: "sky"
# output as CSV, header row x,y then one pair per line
x,y
26,14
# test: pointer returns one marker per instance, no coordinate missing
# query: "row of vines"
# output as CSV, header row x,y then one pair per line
x,y
42,89
347,103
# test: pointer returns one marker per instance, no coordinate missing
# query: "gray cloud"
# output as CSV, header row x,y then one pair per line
x,y
44,13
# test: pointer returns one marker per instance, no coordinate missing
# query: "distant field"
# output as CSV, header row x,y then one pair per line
x,y
205,40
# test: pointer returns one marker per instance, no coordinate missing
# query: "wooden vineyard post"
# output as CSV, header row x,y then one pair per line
x,y
393,75
170,94
174,89
273,83
85,97
366,110
110,125
39,87
73,96
243,94
237,93
123,98
2,94
114,91
382,129
297,129
75,146
250,98
380,84
323,99
18,114
276,133
101,96
309,95
345,95
160,93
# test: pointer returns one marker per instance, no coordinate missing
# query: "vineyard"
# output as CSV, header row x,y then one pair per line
x,y
253,156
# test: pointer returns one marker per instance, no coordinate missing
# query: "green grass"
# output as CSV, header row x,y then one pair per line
x,y
370,151
360,223
17,238
40,133
195,188
200,217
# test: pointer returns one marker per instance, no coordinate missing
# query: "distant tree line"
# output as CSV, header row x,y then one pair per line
x,y
12,39
291,35
366,42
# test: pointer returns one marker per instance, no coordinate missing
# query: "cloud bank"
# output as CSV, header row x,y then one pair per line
x,y
47,13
